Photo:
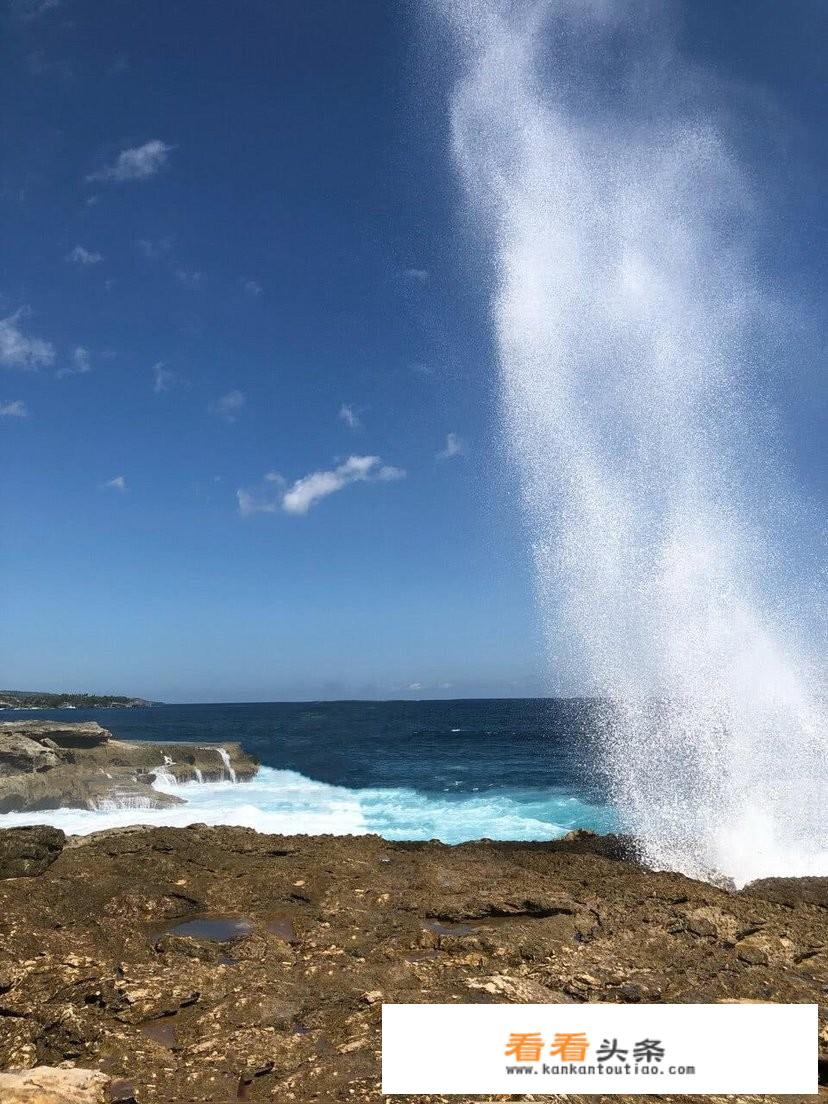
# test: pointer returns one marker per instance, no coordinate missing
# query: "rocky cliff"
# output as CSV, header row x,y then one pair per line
x,y
218,964
55,764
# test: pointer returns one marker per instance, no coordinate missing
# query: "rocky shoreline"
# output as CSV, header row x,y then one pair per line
x,y
54,764
220,964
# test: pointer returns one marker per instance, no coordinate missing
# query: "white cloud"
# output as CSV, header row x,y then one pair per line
x,y
82,256
349,416
455,446
81,363
163,378
116,484
417,275
189,278
137,163
19,351
310,489
14,409
228,406
414,686
253,287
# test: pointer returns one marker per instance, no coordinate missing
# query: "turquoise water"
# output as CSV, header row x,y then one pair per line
x,y
449,770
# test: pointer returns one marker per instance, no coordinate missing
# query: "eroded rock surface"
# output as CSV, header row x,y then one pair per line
x,y
59,764
218,964
44,1085
26,852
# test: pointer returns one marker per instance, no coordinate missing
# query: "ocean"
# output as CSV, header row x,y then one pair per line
x,y
518,769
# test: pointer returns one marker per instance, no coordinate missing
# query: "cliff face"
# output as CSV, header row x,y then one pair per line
x,y
54,764
218,964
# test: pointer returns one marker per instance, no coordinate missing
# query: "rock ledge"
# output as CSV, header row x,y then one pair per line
x,y
56,764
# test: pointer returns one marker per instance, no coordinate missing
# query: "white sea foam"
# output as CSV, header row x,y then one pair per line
x,y
282,801
627,316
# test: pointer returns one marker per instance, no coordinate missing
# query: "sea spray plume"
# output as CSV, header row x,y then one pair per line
x,y
625,308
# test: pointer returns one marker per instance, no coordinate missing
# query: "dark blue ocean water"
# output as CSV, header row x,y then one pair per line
x,y
503,768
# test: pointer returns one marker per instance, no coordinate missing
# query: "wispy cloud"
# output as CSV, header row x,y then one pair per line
x,y
14,409
118,483
17,350
189,278
268,500
40,65
153,249
33,9
163,378
417,687
228,406
417,275
349,416
81,363
455,446
253,287
136,163
82,256
310,489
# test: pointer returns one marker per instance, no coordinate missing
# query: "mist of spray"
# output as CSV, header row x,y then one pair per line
x,y
624,311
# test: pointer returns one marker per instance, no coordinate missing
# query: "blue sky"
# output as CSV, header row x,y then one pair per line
x,y
248,404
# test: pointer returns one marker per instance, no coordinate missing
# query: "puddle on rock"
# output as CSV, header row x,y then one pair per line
x,y
283,927
428,954
161,1031
440,927
121,1092
219,929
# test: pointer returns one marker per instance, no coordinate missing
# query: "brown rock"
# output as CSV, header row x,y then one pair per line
x,y
94,972
27,852
45,1085
21,754
58,764
715,922
64,734
791,891
756,950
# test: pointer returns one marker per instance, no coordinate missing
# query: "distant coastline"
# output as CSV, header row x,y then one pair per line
x,y
36,699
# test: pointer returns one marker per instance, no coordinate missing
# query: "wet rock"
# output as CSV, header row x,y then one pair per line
x,y
582,841
299,941
121,1092
790,891
57,764
45,1085
27,852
